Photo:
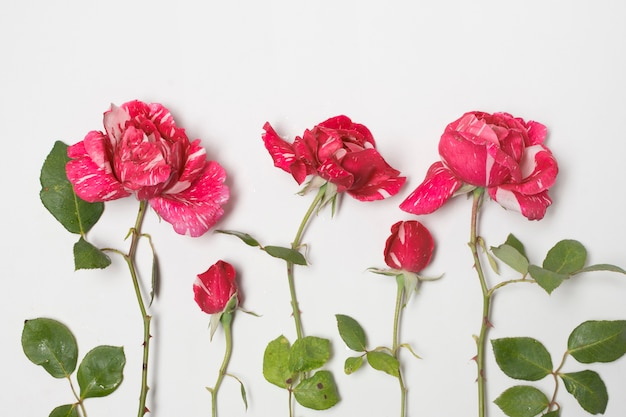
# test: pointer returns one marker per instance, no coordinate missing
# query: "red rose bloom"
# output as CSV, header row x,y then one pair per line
x,y
409,247
215,287
499,152
143,152
340,152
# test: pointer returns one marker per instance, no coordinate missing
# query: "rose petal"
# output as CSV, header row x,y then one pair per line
x,y
214,288
409,247
532,207
537,133
284,154
438,186
91,182
199,207
374,178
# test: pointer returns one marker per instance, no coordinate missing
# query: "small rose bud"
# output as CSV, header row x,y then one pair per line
x,y
214,288
410,246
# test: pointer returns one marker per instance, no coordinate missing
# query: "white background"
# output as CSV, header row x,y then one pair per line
x,y
405,70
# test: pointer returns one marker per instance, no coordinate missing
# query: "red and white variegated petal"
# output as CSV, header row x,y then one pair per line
x,y
537,133
409,247
374,178
115,123
439,185
193,166
199,207
539,169
332,171
96,146
533,207
91,182
281,152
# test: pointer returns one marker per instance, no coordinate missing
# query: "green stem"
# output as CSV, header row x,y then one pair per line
x,y
555,374
486,296
296,245
79,401
396,344
130,261
226,321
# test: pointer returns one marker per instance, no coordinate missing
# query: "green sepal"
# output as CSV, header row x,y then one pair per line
x,y
57,194
598,341
490,258
522,401
383,361
287,254
319,392
351,333
67,410
511,256
352,364
522,358
588,389
246,238
101,371
87,256
308,353
50,344
276,363
566,257
548,280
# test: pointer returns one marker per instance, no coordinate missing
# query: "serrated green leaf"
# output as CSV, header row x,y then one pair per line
x,y
602,267
522,401
246,238
57,194
50,344
287,254
352,364
318,392
522,358
308,353
548,280
351,333
566,257
87,256
276,362
588,389
67,410
512,257
513,241
101,371
598,341
383,361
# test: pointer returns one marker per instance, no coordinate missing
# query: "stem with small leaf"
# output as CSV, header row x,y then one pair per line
x,y
226,319
295,246
396,345
79,401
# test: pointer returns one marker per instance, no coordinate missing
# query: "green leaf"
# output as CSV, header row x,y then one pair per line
x,y
554,413
87,256
351,333
588,389
548,280
67,410
602,267
522,401
57,194
101,371
382,361
51,344
598,341
318,392
276,362
246,238
566,257
308,353
512,257
352,364
522,358
289,255
511,240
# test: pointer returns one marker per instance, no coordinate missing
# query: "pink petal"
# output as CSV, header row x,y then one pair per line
x,y
199,207
438,186
91,182
283,154
537,132
532,207
374,179
194,164
115,123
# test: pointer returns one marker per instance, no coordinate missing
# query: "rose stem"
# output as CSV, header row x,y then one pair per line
x,y
226,321
396,331
295,246
79,401
486,295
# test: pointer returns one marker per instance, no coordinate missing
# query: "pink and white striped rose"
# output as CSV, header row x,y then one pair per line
x,y
340,152
499,152
143,152
409,247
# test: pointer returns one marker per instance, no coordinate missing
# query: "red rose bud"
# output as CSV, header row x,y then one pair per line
x,y
214,288
499,152
340,152
410,246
